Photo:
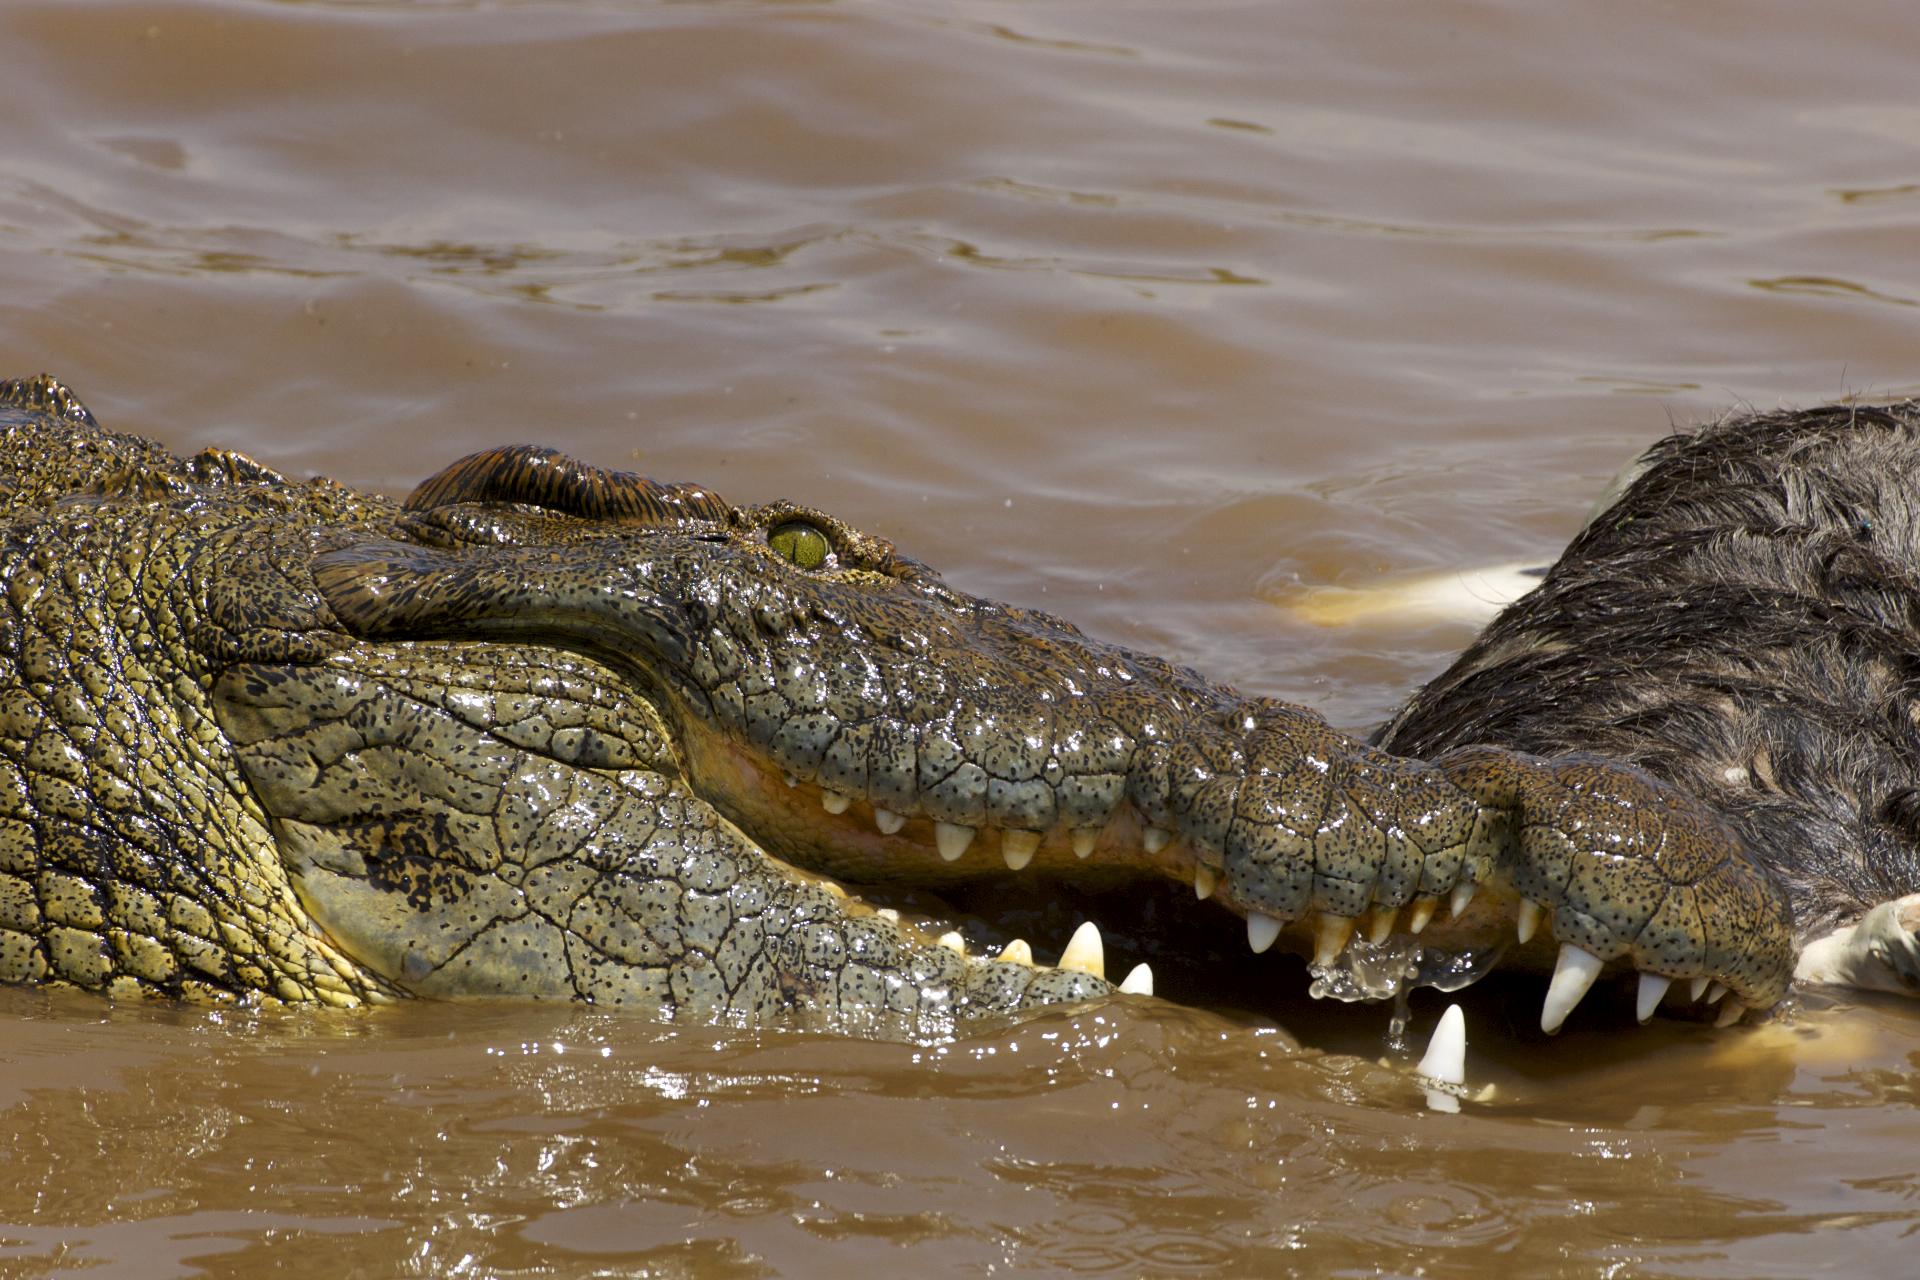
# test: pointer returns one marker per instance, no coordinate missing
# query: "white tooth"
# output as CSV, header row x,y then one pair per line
x,y
951,839
1653,988
1084,951
792,781
1462,895
1381,927
954,942
1446,1058
888,913
1017,847
1573,974
1017,952
887,820
1261,931
1331,938
1696,989
1731,1013
1156,839
1084,838
1715,992
1423,909
1139,982
834,802
1204,881
1531,913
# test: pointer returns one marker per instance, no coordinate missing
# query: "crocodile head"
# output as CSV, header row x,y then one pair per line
x,y
857,718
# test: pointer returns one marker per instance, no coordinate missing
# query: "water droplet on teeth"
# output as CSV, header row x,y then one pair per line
x,y
1155,839
887,820
1653,989
951,839
1381,927
1331,938
1531,913
1261,931
1204,881
1446,1058
1018,848
1423,909
1084,951
1016,952
1696,989
1084,838
1573,975
1462,896
1139,981
834,802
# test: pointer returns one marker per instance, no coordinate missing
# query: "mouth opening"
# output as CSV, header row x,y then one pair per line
x,y
1148,909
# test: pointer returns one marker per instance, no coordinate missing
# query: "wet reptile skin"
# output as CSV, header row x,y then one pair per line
x,y
557,733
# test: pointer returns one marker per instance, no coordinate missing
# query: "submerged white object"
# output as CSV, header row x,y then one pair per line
x,y
1459,595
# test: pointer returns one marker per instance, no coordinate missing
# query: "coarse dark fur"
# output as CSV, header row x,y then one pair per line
x,y
1744,622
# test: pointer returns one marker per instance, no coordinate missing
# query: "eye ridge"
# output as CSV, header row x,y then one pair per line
x,y
800,543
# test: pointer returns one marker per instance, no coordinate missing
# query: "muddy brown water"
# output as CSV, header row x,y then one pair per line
x,y
1190,321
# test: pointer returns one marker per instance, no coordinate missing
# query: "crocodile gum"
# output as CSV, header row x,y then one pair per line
x,y
549,732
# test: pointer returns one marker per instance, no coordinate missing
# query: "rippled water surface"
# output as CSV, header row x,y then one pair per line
x,y
1195,322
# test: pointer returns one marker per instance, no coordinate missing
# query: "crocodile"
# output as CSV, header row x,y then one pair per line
x,y
544,731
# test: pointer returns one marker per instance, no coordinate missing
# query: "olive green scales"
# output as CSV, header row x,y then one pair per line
x,y
547,732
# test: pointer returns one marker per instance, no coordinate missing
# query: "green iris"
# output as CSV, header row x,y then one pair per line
x,y
803,544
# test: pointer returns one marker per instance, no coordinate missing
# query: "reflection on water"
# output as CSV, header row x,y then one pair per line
x,y
1124,1139
1195,322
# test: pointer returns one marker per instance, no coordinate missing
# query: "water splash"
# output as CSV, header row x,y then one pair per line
x,y
1366,971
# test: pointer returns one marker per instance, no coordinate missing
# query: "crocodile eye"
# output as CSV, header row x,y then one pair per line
x,y
803,544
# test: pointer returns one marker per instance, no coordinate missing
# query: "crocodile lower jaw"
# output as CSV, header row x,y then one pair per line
x,y
852,841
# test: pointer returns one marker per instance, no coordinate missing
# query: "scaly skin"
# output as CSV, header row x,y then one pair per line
x,y
560,733
156,647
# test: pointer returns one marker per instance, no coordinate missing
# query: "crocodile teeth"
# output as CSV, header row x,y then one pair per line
x,y
1731,1014
1462,895
1084,951
1261,931
834,802
1381,927
1446,1058
954,942
1423,909
951,839
1156,839
1715,992
1084,838
1653,988
1573,974
1696,989
1203,881
1139,981
1017,952
887,820
792,781
1018,847
1531,913
1332,938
